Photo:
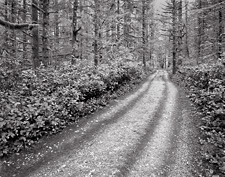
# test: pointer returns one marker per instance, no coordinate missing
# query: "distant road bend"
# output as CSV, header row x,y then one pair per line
x,y
149,133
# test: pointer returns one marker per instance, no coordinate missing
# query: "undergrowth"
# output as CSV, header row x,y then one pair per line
x,y
206,88
35,104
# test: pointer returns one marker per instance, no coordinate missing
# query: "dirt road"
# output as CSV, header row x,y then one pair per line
x,y
149,133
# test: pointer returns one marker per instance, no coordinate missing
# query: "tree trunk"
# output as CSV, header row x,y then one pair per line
x,y
74,24
186,30
81,39
6,34
152,36
24,35
174,16
118,20
96,32
144,33
220,33
35,34
45,25
199,32
180,28
126,25
13,34
57,23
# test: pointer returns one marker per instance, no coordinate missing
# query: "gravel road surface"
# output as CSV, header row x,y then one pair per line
x,y
149,133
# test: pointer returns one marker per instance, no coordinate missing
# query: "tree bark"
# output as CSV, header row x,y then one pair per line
x,y
74,22
118,20
180,28
6,35
126,25
144,33
16,26
35,34
174,16
200,29
57,23
13,34
24,35
186,30
220,33
96,32
45,41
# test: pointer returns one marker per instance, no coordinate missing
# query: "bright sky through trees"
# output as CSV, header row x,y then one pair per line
x,y
159,4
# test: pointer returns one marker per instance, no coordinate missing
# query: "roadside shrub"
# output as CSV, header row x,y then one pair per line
x,y
34,104
206,87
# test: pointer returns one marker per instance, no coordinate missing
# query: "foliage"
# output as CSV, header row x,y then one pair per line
x,y
34,104
206,87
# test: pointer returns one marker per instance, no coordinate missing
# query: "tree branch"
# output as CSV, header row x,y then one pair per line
x,y
16,25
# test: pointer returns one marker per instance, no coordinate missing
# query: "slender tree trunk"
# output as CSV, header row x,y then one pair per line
x,y
35,34
152,36
126,26
174,16
45,40
57,23
118,20
56,35
81,39
13,33
96,32
180,28
24,35
200,21
144,32
186,30
6,35
220,38
74,25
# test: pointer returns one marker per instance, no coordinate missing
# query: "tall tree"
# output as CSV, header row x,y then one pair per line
x,y
96,31
180,29
56,18
174,34
45,35
220,29
118,20
24,35
13,33
187,54
74,25
35,35
200,31
144,36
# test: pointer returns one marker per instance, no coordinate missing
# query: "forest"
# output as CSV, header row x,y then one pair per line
x,y
61,60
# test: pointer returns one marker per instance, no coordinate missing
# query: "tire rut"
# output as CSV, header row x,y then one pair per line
x,y
140,136
28,161
157,148
133,156
101,156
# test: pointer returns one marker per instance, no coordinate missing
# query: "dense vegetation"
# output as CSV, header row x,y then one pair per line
x,y
40,96
38,103
206,87
104,44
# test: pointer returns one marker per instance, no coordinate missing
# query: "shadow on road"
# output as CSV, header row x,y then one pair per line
x,y
16,168
133,156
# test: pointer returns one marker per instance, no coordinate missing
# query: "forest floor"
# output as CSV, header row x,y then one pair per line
x,y
151,132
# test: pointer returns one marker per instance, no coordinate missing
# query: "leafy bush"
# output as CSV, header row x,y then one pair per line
x,y
34,104
206,87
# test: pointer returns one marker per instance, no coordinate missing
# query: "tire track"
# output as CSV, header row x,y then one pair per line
x,y
158,146
73,139
101,156
133,156
144,135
